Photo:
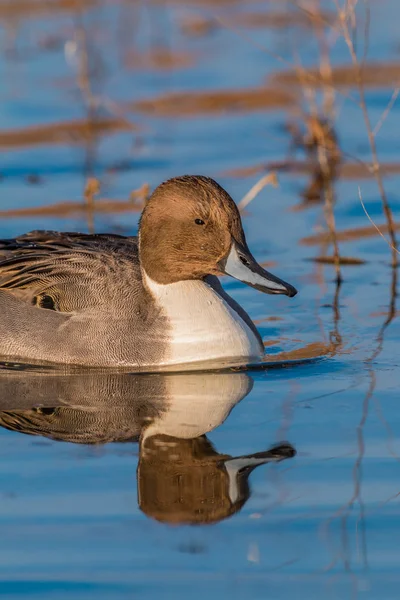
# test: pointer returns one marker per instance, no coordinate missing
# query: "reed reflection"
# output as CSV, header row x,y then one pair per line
x,y
181,477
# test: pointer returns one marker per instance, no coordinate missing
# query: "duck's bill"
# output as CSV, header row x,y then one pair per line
x,y
241,265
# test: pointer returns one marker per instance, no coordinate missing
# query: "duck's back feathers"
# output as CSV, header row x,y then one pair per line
x,y
100,312
70,271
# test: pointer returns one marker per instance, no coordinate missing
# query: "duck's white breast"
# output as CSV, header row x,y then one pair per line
x,y
202,324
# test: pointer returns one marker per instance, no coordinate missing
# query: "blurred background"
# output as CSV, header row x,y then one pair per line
x,y
292,106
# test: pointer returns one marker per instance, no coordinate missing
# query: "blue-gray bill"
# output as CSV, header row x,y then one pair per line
x,y
241,265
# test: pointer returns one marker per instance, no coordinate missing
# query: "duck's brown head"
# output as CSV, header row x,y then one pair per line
x,y
191,228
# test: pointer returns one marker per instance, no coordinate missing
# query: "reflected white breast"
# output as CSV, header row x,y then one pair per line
x,y
197,405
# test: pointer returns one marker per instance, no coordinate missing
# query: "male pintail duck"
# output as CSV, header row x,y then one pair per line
x,y
147,302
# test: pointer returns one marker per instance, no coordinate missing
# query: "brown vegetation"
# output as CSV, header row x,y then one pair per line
x,y
343,260
189,104
163,59
346,170
70,208
90,205
199,26
17,9
64,132
374,75
347,235
312,350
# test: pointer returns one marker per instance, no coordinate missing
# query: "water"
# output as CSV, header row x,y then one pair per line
x,y
85,510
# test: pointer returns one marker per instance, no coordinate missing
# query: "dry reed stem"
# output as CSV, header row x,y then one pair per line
x,y
140,195
325,68
328,206
92,101
322,19
374,224
92,188
83,74
386,112
343,17
320,137
269,179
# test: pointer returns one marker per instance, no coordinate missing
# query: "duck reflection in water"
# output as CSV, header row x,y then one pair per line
x,y
181,478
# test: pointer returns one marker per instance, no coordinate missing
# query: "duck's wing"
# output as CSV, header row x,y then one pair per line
x,y
69,271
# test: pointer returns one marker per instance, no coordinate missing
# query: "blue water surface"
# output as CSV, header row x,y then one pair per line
x,y
273,483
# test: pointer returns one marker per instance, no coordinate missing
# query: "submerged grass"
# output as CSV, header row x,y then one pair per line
x,y
79,131
23,9
196,25
345,170
70,208
348,235
191,104
374,75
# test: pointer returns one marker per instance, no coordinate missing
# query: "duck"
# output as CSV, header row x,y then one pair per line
x,y
146,302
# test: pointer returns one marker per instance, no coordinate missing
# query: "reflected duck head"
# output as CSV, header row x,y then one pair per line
x,y
186,481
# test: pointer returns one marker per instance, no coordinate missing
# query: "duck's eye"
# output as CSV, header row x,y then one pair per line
x,y
45,410
45,301
199,222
